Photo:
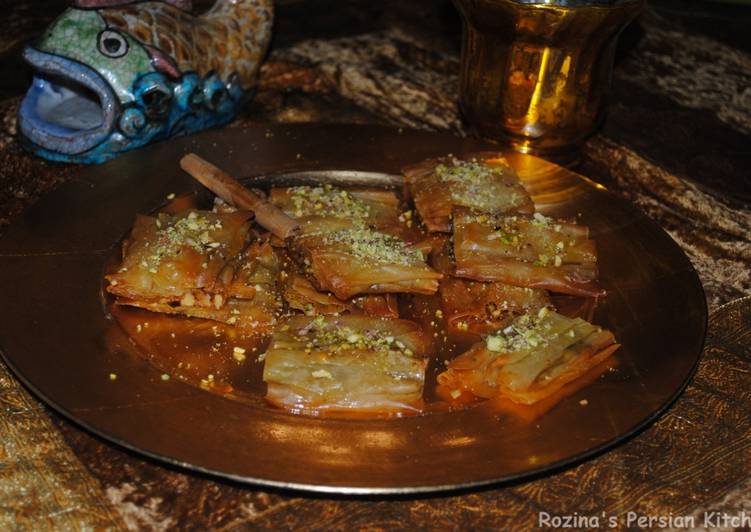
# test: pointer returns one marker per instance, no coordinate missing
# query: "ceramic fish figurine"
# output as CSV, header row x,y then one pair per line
x,y
114,75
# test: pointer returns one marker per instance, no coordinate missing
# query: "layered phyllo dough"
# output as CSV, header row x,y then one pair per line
x,y
529,359
199,264
300,294
361,206
319,283
533,251
481,181
478,306
351,363
350,261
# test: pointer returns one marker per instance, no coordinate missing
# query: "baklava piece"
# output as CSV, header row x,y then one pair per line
x,y
349,261
253,287
173,257
194,264
482,181
300,294
530,359
369,207
532,251
346,363
481,307
478,306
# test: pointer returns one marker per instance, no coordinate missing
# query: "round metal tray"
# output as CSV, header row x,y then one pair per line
x,y
59,339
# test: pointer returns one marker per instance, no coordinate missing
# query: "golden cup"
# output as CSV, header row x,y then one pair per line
x,y
535,74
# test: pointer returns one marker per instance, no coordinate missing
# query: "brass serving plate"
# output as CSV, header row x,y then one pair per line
x,y
58,337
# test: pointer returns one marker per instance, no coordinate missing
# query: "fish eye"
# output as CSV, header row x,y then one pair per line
x,y
112,44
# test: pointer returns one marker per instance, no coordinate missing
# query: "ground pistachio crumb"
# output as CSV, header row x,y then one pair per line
x,y
367,244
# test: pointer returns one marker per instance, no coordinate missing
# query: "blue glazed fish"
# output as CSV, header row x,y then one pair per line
x,y
114,75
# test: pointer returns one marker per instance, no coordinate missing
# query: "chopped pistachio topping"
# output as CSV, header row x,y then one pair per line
x,y
473,183
494,343
525,332
541,220
192,231
470,172
367,244
508,225
320,335
506,237
327,200
238,353
508,231
505,228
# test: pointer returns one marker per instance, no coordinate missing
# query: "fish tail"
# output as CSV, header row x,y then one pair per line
x,y
233,36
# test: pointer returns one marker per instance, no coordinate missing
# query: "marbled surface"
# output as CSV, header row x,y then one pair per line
x,y
677,143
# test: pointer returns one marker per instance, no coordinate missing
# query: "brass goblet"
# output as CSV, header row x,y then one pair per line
x,y
535,73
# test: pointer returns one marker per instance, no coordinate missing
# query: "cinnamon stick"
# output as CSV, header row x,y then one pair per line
x,y
233,192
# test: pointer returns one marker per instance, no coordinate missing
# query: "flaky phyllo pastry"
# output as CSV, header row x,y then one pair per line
x,y
350,244
349,260
481,181
368,208
372,207
351,363
300,294
533,251
328,272
480,306
530,359
197,264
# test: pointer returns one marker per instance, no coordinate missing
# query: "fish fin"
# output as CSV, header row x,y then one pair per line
x,y
185,5
162,62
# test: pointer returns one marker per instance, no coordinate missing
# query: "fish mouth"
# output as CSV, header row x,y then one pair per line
x,y
69,107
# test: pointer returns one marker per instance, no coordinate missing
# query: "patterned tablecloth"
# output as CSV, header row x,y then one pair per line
x,y
677,143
